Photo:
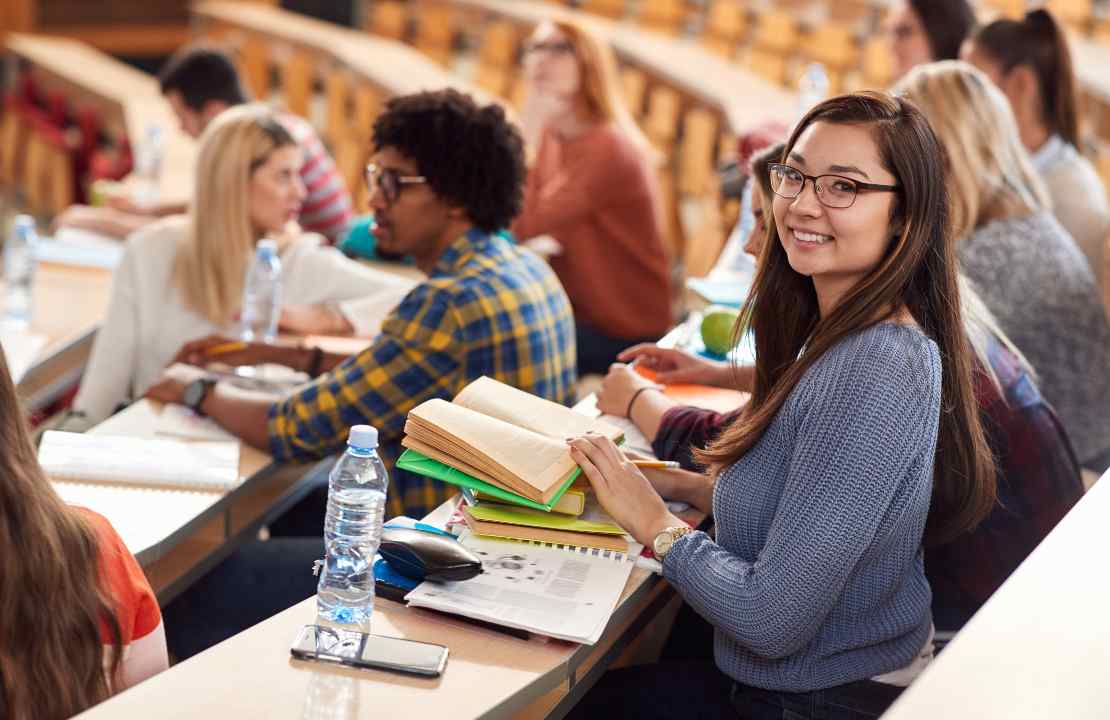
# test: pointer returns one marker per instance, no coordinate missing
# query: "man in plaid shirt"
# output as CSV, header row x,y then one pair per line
x,y
446,176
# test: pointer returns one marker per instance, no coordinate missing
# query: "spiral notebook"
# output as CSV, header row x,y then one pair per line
x,y
120,460
559,591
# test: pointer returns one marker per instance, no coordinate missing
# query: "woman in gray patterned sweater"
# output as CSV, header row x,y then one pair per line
x,y
823,489
1028,270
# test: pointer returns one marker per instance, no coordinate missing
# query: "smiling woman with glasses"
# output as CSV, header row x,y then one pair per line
x,y
824,488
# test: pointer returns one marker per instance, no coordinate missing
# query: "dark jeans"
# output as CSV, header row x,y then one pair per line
x,y
257,581
597,351
697,689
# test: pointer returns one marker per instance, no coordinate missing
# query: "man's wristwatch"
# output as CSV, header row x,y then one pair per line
x,y
195,393
665,540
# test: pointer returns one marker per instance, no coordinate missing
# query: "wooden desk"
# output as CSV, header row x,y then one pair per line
x,y
69,305
489,674
394,68
741,98
1039,647
127,99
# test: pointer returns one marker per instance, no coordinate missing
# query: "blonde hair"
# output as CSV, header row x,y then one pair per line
x,y
990,175
600,93
213,255
980,325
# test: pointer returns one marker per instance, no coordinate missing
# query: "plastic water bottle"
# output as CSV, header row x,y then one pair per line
x,y
258,319
813,87
352,532
148,168
19,271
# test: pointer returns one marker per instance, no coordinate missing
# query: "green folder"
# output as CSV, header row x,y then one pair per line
x,y
423,465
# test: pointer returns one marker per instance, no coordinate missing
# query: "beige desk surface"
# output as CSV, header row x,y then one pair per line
x,y
391,66
1040,647
742,98
489,673
128,99
69,305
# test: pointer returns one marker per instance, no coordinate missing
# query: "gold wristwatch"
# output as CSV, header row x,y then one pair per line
x,y
665,540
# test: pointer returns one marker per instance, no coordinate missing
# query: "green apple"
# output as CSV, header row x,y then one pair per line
x,y
716,329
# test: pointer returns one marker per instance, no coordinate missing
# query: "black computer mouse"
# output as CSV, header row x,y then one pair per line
x,y
422,555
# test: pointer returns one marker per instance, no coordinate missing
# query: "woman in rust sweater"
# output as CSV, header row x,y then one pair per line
x,y
592,188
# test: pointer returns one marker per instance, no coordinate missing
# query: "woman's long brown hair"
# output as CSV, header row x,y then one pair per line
x,y
51,599
918,272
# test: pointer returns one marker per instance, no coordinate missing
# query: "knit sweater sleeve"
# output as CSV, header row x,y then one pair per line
x,y
867,415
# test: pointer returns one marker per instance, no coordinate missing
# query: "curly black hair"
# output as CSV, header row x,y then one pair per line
x,y
471,155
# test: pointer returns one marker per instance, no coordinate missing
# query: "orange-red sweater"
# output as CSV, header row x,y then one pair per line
x,y
597,195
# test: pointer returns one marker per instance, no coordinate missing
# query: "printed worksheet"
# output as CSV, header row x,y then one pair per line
x,y
565,593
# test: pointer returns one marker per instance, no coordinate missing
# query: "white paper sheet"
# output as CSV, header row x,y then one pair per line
x,y
563,593
140,461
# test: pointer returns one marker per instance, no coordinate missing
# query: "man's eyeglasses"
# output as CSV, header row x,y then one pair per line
x,y
832,191
389,181
553,47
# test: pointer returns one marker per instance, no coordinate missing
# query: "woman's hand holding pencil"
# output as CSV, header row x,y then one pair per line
x,y
219,348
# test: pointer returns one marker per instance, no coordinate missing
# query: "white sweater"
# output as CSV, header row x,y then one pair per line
x,y
147,320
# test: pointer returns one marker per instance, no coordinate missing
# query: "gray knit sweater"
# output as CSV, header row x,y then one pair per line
x,y
1036,281
816,576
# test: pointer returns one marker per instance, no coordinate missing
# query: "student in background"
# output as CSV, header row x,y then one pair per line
x,y
1030,61
1031,274
735,258
446,176
923,31
182,277
824,488
78,619
200,82
593,189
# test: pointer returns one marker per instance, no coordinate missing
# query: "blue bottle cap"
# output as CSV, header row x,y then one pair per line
x,y
363,437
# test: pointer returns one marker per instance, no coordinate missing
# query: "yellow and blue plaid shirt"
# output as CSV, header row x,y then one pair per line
x,y
488,307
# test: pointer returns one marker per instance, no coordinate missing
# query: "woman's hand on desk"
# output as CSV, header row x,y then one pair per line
x,y
678,366
624,491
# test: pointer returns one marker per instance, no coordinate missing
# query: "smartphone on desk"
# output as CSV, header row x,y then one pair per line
x,y
358,650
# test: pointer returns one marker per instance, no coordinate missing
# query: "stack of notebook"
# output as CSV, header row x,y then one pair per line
x,y
507,451
500,441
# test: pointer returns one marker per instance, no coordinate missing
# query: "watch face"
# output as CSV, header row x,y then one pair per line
x,y
193,394
663,542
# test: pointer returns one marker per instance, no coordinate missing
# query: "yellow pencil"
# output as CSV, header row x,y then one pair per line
x,y
657,464
225,348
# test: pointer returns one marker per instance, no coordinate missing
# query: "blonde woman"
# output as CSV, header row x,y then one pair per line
x,y
1029,271
182,278
593,189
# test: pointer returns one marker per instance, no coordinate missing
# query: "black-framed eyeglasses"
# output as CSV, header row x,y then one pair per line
x,y
390,181
552,47
833,191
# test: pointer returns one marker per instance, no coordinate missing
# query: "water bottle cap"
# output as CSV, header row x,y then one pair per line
x,y
23,222
363,437
266,248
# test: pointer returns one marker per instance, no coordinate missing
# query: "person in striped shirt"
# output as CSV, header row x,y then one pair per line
x,y
200,82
